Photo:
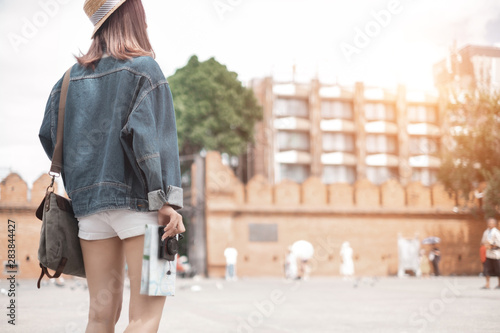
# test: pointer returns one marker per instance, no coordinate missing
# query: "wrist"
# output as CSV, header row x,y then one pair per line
x,y
166,206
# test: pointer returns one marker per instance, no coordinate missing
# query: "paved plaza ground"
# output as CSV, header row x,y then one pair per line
x,y
318,305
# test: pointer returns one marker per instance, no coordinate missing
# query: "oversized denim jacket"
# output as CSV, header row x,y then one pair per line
x,y
120,137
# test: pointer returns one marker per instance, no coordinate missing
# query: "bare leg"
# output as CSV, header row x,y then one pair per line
x,y
145,311
104,266
487,282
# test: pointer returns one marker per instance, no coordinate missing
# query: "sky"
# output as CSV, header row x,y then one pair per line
x,y
379,42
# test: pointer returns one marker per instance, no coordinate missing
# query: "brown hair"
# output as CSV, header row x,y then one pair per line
x,y
123,35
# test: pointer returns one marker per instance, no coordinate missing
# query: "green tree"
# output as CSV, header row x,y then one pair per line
x,y
472,149
213,109
492,197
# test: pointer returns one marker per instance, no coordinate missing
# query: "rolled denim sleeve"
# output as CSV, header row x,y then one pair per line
x,y
153,132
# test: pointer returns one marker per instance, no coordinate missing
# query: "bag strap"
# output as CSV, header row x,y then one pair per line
x,y
58,272
56,167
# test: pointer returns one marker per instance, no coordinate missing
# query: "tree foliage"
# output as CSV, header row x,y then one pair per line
x,y
472,150
213,109
492,197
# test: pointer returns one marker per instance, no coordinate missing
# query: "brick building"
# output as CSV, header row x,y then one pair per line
x,y
261,220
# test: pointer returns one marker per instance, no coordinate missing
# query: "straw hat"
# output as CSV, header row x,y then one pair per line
x,y
98,11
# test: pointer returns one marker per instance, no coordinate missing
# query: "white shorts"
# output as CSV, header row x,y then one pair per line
x,y
123,223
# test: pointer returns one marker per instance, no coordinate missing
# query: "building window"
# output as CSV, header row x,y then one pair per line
x,y
338,142
422,114
288,140
291,107
338,174
379,143
295,172
423,146
379,175
426,176
379,111
336,109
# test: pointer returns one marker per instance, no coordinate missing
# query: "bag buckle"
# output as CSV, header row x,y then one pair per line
x,y
53,175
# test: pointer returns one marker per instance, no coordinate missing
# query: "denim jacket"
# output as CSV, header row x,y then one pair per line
x,y
120,137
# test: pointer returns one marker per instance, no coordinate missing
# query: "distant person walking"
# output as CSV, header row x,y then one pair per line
x,y
482,255
425,265
435,258
491,241
304,251
231,255
305,269
346,262
291,268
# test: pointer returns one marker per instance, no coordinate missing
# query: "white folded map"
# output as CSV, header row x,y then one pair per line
x,y
155,280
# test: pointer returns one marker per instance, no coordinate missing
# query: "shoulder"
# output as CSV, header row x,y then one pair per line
x,y
56,90
57,86
144,66
149,68
74,71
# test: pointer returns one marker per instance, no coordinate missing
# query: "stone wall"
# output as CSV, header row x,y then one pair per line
x,y
369,217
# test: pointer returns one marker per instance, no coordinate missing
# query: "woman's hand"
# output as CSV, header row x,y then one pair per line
x,y
172,220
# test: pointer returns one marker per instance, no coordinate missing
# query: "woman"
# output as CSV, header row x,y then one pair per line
x,y
120,159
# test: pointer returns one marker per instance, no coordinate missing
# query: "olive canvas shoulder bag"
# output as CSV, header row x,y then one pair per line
x,y
59,247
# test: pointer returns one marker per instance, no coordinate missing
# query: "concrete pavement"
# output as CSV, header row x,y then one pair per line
x,y
318,305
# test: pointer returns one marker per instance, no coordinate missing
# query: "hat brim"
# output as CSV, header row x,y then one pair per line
x,y
101,22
